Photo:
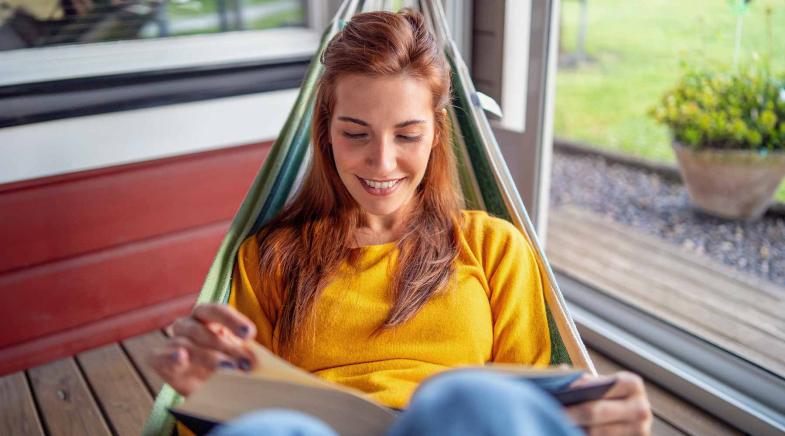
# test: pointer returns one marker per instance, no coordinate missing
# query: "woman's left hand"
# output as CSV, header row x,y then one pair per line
x,y
623,410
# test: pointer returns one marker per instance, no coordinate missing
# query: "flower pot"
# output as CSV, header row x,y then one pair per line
x,y
735,184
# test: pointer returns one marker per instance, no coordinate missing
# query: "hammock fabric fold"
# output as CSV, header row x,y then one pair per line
x,y
485,181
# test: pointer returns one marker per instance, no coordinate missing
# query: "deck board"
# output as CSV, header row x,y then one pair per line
x,y
18,415
66,404
648,273
627,246
118,388
138,349
116,382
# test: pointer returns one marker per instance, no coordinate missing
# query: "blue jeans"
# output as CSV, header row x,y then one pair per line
x,y
471,403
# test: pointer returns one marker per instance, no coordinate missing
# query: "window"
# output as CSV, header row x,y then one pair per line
x,y
627,237
28,24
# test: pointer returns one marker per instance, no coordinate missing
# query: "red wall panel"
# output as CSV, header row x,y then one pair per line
x,y
64,294
97,256
66,216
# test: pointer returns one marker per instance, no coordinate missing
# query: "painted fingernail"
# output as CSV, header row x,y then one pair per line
x,y
227,364
244,331
244,364
174,356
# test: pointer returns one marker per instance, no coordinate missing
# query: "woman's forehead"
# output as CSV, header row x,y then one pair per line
x,y
385,99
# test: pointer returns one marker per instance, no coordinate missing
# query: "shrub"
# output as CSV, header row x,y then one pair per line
x,y
724,110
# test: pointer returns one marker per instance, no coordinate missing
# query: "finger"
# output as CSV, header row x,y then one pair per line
x,y
198,359
178,367
217,338
228,316
603,412
583,379
170,362
627,384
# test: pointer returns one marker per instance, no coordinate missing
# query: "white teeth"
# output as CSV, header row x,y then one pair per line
x,y
380,185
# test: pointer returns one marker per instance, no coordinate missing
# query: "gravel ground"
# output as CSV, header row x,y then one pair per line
x,y
656,206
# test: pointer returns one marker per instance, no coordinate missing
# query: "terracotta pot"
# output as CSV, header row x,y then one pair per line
x,y
735,184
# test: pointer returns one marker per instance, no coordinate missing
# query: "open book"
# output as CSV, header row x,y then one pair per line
x,y
278,384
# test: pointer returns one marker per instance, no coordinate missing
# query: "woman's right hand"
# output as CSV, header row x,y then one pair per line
x,y
213,336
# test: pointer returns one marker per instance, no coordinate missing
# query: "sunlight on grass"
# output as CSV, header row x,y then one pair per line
x,y
635,49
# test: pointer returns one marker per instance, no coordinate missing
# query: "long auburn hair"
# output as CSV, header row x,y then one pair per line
x,y
302,247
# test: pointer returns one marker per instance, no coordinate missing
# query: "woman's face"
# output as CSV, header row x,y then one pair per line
x,y
382,132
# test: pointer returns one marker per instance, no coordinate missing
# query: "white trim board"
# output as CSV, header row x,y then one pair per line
x,y
76,144
118,57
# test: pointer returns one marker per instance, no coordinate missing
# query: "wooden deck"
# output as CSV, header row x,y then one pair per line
x,y
736,311
103,391
110,390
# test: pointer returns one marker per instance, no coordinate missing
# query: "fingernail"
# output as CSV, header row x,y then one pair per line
x,y
244,331
227,364
244,364
175,356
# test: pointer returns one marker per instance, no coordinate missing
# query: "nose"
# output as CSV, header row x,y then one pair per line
x,y
382,156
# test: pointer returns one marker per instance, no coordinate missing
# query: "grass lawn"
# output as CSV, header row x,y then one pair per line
x,y
635,49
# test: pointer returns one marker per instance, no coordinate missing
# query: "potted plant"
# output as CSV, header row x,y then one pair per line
x,y
728,131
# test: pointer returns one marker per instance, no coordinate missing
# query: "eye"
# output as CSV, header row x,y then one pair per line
x,y
355,135
407,138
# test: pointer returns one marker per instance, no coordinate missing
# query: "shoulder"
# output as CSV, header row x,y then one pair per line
x,y
479,226
492,240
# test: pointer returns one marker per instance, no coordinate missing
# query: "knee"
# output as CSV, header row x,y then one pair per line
x,y
481,403
275,422
466,390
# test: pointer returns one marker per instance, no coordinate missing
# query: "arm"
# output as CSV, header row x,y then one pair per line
x,y
521,336
520,326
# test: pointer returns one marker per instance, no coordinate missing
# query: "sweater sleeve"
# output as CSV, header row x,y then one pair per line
x,y
250,297
520,325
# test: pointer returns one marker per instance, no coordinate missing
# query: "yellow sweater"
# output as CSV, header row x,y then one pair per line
x,y
495,313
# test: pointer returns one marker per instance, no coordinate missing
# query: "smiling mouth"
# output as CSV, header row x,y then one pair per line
x,y
380,187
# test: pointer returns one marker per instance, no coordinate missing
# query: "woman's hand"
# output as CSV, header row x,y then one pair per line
x,y
623,410
214,336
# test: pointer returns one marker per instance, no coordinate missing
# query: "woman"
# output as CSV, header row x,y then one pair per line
x,y
374,278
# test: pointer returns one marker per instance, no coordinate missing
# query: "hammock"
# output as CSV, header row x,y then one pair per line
x,y
485,181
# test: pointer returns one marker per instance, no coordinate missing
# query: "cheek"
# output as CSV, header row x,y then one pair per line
x,y
423,155
342,155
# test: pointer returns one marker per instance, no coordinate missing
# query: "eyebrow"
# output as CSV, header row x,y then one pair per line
x,y
397,126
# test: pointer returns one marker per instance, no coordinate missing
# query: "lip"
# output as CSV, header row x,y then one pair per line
x,y
380,192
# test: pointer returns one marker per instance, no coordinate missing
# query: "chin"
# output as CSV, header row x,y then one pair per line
x,y
380,210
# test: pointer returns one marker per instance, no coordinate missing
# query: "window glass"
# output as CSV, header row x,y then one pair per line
x,y
37,23
629,214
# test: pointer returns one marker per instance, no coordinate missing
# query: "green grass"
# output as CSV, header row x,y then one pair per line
x,y
636,48
197,8
192,8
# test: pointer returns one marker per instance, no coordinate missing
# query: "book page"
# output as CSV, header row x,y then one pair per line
x,y
272,367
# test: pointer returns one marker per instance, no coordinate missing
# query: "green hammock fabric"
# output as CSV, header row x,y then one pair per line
x,y
483,175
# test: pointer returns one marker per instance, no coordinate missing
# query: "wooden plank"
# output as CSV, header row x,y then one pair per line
x,y
660,427
138,349
700,269
122,395
105,283
637,289
630,251
680,415
627,273
17,408
641,261
89,211
65,402
72,341
637,265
